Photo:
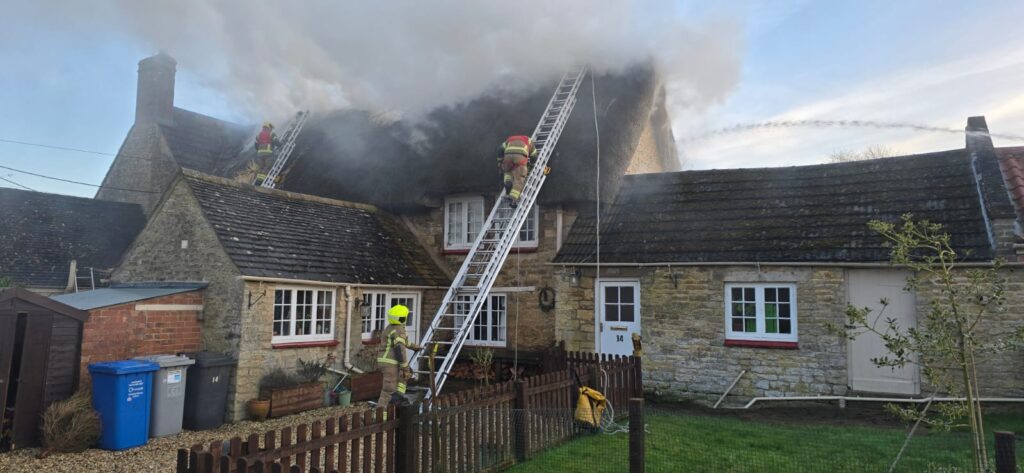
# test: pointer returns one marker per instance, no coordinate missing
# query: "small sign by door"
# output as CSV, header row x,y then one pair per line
x,y
619,316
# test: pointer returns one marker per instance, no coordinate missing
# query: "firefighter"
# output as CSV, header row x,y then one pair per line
x,y
514,158
393,364
266,141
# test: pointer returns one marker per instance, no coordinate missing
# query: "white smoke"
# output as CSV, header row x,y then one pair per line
x,y
409,56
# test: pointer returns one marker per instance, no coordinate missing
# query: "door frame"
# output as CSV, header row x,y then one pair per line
x,y
599,306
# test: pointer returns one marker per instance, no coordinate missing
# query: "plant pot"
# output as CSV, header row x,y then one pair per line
x,y
344,398
259,409
366,386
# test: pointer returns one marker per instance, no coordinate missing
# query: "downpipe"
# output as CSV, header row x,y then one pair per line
x,y
873,399
346,362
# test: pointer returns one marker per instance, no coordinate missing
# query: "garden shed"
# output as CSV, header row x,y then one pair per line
x,y
40,344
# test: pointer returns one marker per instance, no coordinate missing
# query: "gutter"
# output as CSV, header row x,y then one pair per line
x,y
757,264
309,282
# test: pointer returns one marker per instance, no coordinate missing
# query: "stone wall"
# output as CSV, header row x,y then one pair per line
x,y
683,330
646,158
145,163
178,244
123,331
524,268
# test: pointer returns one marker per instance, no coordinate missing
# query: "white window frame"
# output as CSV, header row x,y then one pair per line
x,y
376,310
489,341
759,301
463,221
293,306
535,218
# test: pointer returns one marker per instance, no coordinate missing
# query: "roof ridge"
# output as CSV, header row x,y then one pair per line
x,y
80,198
209,117
277,192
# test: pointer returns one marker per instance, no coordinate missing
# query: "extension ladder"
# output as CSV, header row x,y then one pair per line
x,y
290,135
472,285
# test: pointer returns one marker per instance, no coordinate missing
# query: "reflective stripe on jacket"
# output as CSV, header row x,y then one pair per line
x,y
395,341
521,145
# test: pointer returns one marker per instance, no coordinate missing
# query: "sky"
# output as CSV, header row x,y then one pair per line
x,y
71,83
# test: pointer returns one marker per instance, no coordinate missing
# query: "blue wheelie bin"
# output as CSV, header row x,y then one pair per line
x,y
122,394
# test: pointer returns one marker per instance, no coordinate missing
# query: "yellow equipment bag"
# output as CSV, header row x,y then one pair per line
x,y
590,407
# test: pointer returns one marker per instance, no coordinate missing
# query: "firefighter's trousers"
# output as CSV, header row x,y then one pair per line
x,y
393,383
515,166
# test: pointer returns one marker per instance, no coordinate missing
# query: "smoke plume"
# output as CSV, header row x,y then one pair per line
x,y
408,56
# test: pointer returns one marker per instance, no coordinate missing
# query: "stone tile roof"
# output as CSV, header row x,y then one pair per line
x,y
42,233
793,214
204,143
272,233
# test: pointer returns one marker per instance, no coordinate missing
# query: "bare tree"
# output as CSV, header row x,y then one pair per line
x,y
871,152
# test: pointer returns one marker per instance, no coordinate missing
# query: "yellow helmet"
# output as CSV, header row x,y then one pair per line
x,y
398,314
268,125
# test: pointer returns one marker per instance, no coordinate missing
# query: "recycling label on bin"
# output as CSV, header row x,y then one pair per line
x,y
136,388
173,376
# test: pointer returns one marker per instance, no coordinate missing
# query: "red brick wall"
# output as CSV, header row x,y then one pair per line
x,y
120,332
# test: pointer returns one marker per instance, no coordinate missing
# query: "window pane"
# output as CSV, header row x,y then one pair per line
x,y
750,325
785,326
737,294
771,326
769,295
737,324
771,311
784,311
749,309
474,219
748,294
626,312
611,313
783,294
626,293
611,294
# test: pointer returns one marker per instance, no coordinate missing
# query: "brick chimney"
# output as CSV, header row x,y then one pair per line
x,y
154,101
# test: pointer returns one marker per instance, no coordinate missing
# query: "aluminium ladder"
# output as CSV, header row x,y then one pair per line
x,y
472,285
290,135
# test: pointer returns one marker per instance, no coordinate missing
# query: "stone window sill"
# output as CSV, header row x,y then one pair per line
x,y
762,344
322,343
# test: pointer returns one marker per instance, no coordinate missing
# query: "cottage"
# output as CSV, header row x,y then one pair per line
x,y
289,276
729,270
51,244
435,176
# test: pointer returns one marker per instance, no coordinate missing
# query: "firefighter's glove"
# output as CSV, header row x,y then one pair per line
x,y
406,372
547,170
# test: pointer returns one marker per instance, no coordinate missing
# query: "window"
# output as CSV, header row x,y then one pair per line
x,y
761,312
375,310
530,230
463,219
302,315
489,326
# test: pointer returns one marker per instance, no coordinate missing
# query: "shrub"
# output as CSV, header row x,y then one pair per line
x,y
312,370
278,378
71,425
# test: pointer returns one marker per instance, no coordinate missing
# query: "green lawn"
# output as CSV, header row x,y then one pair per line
x,y
684,442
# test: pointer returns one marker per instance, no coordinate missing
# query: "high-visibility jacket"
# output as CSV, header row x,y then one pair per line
x,y
265,141
519,144
394,340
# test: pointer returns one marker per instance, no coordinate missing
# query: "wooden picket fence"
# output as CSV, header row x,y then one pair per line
x,y
484,429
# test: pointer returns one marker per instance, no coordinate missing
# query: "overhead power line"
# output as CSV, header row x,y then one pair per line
x,y
15,183
44,176
65,148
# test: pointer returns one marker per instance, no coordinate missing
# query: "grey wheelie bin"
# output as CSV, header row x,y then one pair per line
x,y
206,395
168,393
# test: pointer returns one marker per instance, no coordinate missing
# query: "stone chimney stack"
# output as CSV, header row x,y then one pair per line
x,y
978,139
154,101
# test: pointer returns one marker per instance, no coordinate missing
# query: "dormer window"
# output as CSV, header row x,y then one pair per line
x,y
463,219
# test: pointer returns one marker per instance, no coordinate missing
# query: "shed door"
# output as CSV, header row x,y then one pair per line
x,y
618,316
32,379
866,289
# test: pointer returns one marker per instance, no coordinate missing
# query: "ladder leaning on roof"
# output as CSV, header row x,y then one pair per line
x,y
290,135
472,285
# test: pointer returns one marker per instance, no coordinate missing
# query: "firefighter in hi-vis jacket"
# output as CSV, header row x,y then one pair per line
x,y
392,361
514,158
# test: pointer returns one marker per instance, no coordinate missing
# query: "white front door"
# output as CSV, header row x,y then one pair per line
x,y
618,316
867,287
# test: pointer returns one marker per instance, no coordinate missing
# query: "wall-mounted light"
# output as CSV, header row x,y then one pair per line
x,y
575,277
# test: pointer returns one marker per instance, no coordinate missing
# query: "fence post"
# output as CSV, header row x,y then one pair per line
x,y
405,448
1006,457
520,424
636,435
638,377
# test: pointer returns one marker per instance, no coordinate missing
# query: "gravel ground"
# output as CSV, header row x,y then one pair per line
x,y
159,455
